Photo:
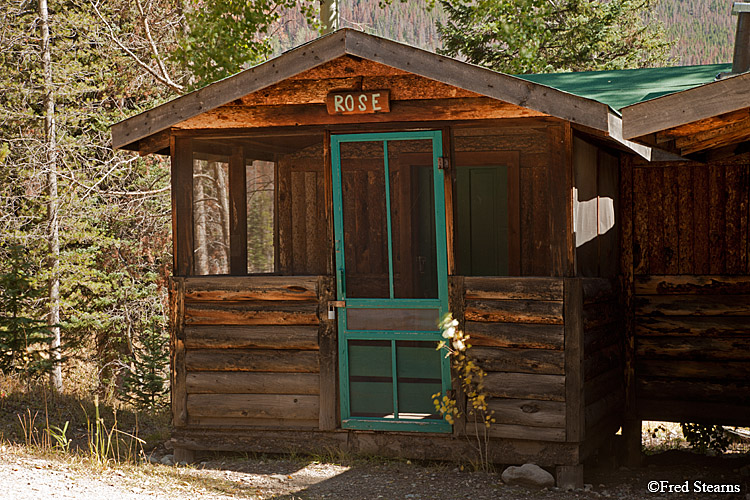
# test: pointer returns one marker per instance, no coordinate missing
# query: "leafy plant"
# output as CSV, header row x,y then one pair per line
x,y
60,436
470,378
705,437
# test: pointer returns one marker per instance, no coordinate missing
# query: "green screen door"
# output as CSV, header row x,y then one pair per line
x,y
391,277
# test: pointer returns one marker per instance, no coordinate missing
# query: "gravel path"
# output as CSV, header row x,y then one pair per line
x,y
27,477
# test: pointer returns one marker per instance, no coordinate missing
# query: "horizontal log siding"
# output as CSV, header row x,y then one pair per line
x,y
693,348
252,352
516,329
603,368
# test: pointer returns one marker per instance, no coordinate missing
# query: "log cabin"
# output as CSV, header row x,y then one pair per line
x,y
332,204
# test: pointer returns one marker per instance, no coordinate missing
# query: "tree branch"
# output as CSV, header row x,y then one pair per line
x,y
161,79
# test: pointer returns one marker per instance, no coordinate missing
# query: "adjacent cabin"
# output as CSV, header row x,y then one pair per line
x,y
332,204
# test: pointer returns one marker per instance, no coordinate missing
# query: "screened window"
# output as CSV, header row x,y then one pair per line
x,y
234,208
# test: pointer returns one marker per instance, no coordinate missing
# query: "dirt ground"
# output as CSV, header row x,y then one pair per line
x,y
28,476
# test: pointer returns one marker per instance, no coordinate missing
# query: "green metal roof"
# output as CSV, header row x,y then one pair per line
x,y
622,88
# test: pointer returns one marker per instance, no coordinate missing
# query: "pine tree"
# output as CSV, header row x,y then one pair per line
x,y
534,36
145,383
24,340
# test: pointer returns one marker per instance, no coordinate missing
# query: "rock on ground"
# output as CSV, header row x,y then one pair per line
x,y
528,475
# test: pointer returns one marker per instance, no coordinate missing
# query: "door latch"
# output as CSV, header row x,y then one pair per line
x,y
332,305
444,163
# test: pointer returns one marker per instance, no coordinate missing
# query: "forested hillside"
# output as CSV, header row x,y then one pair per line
x,y
702,30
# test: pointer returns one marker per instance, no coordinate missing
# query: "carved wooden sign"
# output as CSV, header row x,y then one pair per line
x,y
359,102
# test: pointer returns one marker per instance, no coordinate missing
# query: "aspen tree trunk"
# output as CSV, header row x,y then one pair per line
x,y
53,236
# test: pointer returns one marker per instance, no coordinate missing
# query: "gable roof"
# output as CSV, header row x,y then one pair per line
x,y
580,110
693,105
625,87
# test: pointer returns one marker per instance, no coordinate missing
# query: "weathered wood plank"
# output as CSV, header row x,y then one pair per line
x,y
237,213
283,192
520,360
682,326
302,90
259,337
514,311
733,191
611,404
602,337
641,240
599,362
602,313
685,220
717,218
694,348
251,313
231,116
705,370
252,383
528,412
253,360
518,335
240,424
693,305
599,290
524,432
422,446
694,391
327,339
602,385
502,288
182,205
670,221
706,101
177,359
701,216
655,197
235,288
526,386
297,406
683,285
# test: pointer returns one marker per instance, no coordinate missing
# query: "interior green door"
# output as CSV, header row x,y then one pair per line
x,y
391,276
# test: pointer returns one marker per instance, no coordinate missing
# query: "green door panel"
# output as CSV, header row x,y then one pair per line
x,y
391,272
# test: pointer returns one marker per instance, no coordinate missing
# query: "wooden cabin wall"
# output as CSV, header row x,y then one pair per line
x,y
542,149
691,286
247,352
302,218
603,362
596,210
518,338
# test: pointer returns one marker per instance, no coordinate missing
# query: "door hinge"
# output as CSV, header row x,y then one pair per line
x,y
444,163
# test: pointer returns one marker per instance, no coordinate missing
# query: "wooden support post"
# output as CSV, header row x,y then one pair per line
x,y
178,368
631,430
569,477
574,396
237,213
327,352
456,304
182,205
